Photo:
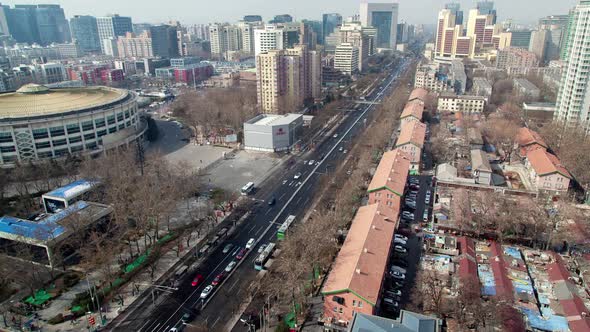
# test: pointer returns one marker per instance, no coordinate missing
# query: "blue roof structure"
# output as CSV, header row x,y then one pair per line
x,y
486,276
43,230
407,322
547,322
72,189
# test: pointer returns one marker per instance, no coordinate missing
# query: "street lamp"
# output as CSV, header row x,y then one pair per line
x,y
251,326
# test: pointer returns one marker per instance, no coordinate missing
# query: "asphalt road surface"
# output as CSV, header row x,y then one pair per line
x,y
292,197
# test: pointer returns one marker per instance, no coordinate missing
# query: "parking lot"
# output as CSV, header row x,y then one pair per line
x,y
405,257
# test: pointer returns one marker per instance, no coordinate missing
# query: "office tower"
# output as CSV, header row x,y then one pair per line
x,y
329,23
455,8
556,26
481,27
140,28
354,34
521,38
573,98
316,29
283,18
110,47
346,58
487,8
247,36
218,40
539,43
383,17
271,37
164,41
42,24
449,41
132,46
287,78
252,18
307,36
112,27
85,32
52,24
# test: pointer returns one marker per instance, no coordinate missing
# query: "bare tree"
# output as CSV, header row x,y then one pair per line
x,y
502,132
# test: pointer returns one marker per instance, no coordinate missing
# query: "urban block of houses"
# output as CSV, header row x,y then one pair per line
x,y
411,140
389,181
547,172
413,111
451,102
355,281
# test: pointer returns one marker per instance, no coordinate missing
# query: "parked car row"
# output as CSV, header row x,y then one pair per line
x,y
397,271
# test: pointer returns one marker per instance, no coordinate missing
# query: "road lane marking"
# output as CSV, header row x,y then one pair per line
x,y
234,284
283,195
258,231
267,211
215,322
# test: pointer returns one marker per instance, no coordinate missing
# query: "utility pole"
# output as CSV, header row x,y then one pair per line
x,y
140,155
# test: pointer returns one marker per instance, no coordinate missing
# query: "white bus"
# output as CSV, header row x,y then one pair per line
x,y
264,256
247,189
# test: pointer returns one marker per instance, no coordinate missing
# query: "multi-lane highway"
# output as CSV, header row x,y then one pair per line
x,y
291,197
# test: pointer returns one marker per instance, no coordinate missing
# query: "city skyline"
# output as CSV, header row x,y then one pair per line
x,y
524,11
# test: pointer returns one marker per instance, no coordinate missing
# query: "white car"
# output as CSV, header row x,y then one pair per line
x,y
398,275
311,162
205,293
230,266
399,236
297,176
250,243
261,249
400,249
399,241
335,135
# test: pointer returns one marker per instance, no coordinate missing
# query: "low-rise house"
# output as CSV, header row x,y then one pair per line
x,y
413,111
419,94
411,141
529,140
389,181
524,88
480,167
475,139
450,102
547,172
355,281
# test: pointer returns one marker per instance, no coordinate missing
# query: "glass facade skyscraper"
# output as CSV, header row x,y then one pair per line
x,y
329,23
85,31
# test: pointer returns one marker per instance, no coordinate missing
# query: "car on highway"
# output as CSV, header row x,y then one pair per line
x,y
227,248
341,149
311,162
230,266
272,201
197,280
345,151
250,243
336,135
297,176
218,279
241,254
205,293
261,248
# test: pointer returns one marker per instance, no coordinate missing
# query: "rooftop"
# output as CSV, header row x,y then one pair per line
x,y
412,132
36,100
545,163
51,227
391,173
274,119
407,322
413,108
479,161
362,259
525,137
525,84
418,93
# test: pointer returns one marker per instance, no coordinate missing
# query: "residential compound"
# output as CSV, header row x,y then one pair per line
x,y
355,284
287,78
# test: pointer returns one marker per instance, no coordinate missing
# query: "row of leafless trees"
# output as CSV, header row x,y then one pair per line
x,y
215,110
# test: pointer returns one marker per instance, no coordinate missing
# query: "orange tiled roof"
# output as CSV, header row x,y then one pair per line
x,y
418,93
413,108
545,163
412,132
392,172
362,260
525,137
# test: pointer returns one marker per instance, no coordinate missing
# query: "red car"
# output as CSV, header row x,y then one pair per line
x,y
197,280
218,279
241,254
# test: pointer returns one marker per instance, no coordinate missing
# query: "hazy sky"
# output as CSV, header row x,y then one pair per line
x,y
205,11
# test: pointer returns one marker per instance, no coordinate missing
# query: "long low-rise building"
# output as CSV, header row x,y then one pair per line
x,y
411,141
272,133
39,123
389,181
463,104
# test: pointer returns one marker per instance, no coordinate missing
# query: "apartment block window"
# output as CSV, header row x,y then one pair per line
x,y
354,303
120,117
101,133
360,304
75,139
60,142
42,145
7,148
88,137
73,128
112,129
111,119
99,123
87,125
122,126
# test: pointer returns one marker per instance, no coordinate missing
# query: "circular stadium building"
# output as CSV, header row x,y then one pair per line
x,y
38,123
